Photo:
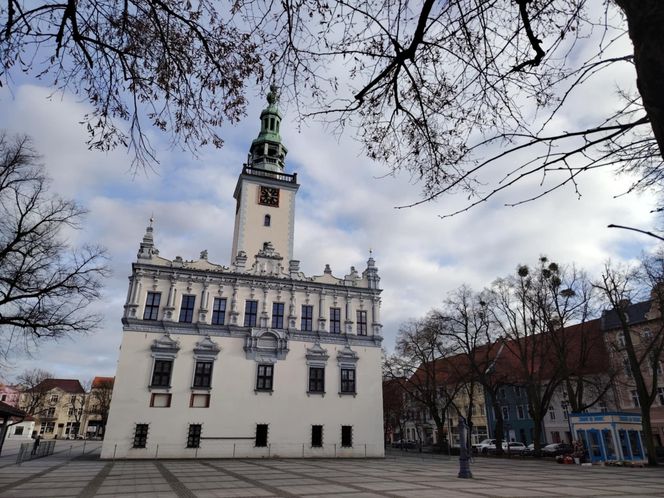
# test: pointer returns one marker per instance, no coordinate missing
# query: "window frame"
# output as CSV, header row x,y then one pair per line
x,y
346,384
217,312
307,319
278,311
141,435
201,376
316,384
346,436
187,313
153,307
267,220
250,312
261,440
155,373
316,436
194,436
362,324
263,378
335,320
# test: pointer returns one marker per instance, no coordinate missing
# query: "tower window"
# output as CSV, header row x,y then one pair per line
x,y
187,309
250,313
272,124
267,220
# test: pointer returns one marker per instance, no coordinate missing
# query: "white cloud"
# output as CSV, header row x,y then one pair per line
x,y
343,210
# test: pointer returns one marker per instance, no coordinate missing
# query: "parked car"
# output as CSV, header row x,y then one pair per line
x,y
482,446
530,449
514,448
556,449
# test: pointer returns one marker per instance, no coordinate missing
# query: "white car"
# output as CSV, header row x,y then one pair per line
x,y
482,446
514,448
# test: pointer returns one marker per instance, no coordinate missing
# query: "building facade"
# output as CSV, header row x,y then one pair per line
x,y
253,359
58,407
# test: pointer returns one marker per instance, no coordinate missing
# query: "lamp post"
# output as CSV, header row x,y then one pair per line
x,y
464,458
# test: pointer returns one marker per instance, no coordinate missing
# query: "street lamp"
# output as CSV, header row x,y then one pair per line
x,y
464,457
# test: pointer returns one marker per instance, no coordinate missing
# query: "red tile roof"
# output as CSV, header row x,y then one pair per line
x,y
102,382
68,385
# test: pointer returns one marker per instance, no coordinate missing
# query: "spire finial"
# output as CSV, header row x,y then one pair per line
x,y
273,94
151,219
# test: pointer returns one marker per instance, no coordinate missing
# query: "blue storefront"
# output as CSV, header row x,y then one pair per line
x,y
611,436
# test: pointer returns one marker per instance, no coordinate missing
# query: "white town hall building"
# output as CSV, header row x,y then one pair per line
x,y
255,359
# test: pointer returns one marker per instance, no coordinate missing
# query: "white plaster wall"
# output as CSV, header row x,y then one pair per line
x,y
250,232
235,408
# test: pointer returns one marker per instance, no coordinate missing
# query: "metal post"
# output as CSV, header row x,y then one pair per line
x,y
365,450
269,448
335,450
196,454
233,450
84,443
302,450
156,453
464,466
114,450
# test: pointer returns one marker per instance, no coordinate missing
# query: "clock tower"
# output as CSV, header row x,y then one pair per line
x,y
265,193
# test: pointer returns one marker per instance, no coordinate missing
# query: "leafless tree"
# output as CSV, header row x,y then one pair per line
x,y
45,286
465,322
99,400
395,407
533,310
448,91
180,67
642,349
33,390
419,359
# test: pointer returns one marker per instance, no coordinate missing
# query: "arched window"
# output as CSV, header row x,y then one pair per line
x,y
267,220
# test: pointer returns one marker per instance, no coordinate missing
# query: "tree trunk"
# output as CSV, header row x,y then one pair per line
x,y
645,20
647,434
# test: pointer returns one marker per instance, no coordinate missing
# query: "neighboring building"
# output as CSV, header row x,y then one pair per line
x,y
9,395
58,406
517,423
645,325
98,405
22,430
253,359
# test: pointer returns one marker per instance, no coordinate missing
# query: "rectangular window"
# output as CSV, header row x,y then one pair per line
x,y
18,431
261,435
187,309
347,436
265,377
506,412
50,413
161,375
151,311
219,311
335,320
70,412
517,391
361,322
627,367
277,315
316,436
199,400
552,413
140,435
54,398
660,395
203,374
316,380
194,436
160,400
519,412
635,399
307,321
348,380
250,313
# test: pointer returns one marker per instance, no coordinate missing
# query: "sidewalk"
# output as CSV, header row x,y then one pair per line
x,y
82,475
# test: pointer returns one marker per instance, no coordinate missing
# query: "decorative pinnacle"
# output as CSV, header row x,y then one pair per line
x,y
273,94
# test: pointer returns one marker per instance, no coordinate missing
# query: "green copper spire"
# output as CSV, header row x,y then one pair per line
x,y
267,152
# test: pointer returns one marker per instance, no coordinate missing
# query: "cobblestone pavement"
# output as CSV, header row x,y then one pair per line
x,y
72,472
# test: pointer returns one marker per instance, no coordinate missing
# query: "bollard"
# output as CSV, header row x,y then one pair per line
x,y
196,454
156,453
269,448
335,450
84,443
365,450
233,450
114,450
464,466
302,450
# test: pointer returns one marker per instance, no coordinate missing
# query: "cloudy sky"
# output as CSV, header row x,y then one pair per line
x,y
345,206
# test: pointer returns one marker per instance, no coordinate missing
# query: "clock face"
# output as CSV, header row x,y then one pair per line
x,y
269,196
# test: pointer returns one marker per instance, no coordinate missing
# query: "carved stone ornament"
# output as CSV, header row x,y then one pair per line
x,y
206,349
347,357
317,355
165,347
266,345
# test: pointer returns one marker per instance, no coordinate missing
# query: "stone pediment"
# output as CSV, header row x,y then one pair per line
x,y
206,348
347,356
266,345
165,347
